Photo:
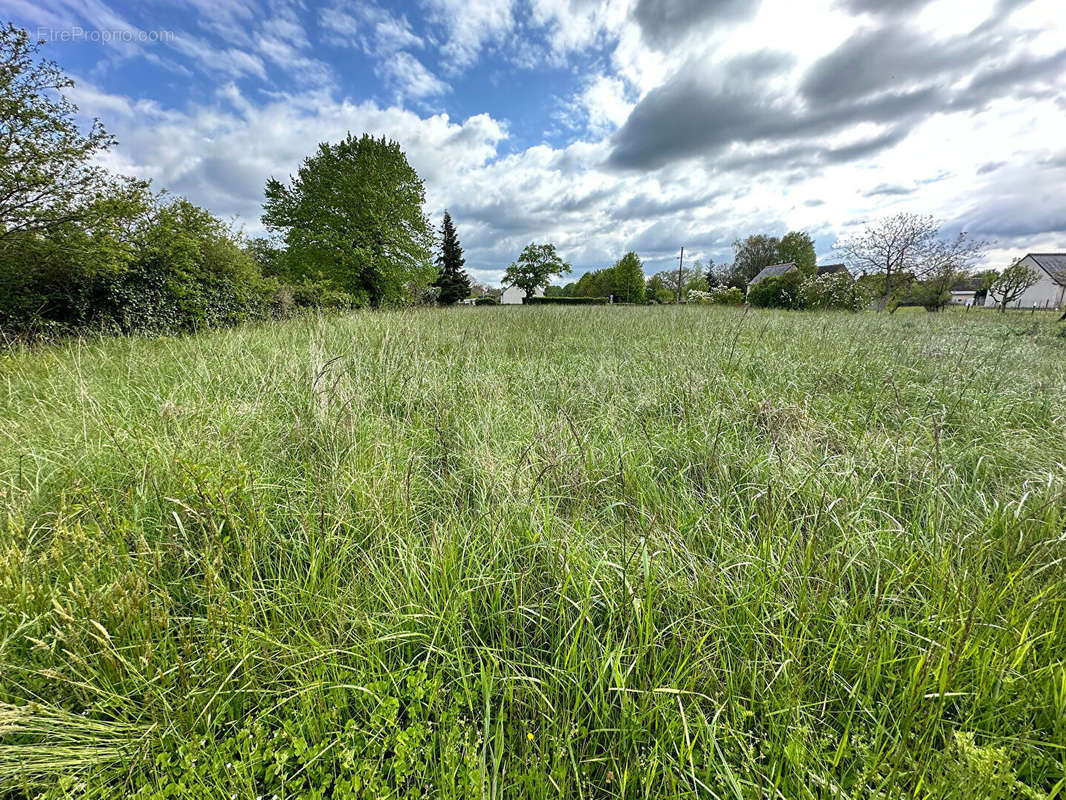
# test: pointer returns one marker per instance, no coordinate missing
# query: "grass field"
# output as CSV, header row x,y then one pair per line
x,y
581,553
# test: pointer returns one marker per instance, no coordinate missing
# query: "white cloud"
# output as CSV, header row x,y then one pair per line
x,y
469,25
408,77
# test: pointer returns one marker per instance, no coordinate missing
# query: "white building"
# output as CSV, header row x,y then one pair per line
x,y
1049,291
962,297
512,295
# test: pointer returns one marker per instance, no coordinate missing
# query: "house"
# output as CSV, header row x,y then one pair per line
x,y
773,271
833,269
961,296
513,296
1049,291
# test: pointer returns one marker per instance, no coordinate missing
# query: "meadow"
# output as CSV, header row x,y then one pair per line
x,y
553,552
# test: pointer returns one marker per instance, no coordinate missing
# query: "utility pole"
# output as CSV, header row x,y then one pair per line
x,y
680,273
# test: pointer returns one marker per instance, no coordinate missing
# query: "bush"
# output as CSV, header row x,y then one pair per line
x,y
780,291
158,265
719,296
835,292
486,301
565,301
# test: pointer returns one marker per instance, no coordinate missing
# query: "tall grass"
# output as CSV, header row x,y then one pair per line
x,y
540,552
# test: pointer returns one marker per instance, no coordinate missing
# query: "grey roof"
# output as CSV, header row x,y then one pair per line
x,y
832,269
772,271
1054,264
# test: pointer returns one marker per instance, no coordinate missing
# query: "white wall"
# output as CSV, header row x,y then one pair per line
x,y
1045,293
512,295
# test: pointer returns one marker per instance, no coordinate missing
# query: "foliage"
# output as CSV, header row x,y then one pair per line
x,y
159,264
352,215
662,286
1012,283
579,553
624,281
797,248
535,268
486,300
836,291
719,295
47,178
628,279
779,291
751,256
452,280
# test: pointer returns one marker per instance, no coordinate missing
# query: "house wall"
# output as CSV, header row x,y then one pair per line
x,y
512,296
961,298
1045,293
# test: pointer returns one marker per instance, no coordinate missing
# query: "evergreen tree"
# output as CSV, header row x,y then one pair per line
x,y
453,282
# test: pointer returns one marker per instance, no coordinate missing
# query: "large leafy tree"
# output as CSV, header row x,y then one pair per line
x,y
452,280
353,215
628,283
797,248
535,268
46,176
751,255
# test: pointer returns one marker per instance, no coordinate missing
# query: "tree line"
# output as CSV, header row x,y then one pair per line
x,y
84,249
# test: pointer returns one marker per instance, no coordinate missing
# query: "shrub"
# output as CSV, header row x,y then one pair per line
x,y
565,301
779,291
718,296
486,301
835,292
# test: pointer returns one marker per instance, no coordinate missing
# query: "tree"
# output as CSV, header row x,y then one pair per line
x,y
46,178
535,268
628,275
798,248
751,255
353,215
903,248
453,282
1012,283
668,279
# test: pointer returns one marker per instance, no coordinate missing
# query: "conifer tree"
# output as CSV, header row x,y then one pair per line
x,y
452,280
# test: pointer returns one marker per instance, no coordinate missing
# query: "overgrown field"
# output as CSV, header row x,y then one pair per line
x,y
538,552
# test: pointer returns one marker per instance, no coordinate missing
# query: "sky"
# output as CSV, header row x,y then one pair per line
x,y
601,126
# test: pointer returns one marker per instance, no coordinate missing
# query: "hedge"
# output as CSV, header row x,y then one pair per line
x,y
565,301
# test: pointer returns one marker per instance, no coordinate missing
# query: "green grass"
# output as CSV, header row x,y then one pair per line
x,y
542,552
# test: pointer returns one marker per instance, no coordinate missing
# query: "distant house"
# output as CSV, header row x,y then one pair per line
x,y
833,269
513,296
773,271
962,296
1050,290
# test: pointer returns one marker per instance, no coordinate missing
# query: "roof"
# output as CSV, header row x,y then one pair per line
x,y
832,269
772,271
1054,264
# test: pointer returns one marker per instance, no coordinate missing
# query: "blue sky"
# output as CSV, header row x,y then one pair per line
x,y
600,125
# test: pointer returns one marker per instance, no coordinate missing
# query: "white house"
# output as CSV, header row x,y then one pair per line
x,y
962,297
512,295
1049,291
